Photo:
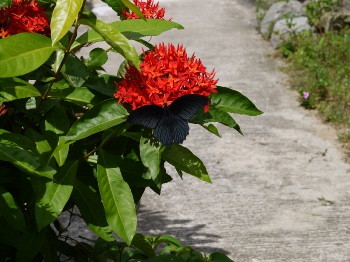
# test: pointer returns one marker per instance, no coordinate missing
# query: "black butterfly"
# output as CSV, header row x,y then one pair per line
x,y
169,123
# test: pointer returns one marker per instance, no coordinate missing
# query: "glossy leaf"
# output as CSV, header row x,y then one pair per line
x,y
133,8
81,95
74,67
116,196
170,240
30,244
104,84
11,211
54,126
131,29
143,243
233,102
42,146
63,17
23,159
23,53
98,57
115,39
15,88
91,210
182,158
116,5
212,129
53,195
150,152
105,115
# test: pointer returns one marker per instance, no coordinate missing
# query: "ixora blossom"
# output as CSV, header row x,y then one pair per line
x,y
167,73
23,16
148,8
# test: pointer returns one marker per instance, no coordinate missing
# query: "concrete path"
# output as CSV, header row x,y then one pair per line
x,y
279,193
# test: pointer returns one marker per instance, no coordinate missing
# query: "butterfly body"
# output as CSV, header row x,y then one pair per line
x,y
170,123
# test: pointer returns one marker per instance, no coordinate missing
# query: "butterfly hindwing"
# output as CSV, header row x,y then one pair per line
x,y
186,106
163,131
180,129
147,116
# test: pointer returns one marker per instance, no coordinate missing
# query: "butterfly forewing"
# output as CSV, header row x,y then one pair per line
x,y
147,116
186,106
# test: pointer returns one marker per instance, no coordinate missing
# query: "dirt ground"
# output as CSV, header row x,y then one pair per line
x,y
280,192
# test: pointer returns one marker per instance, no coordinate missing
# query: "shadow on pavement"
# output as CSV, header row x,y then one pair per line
x,y
155,223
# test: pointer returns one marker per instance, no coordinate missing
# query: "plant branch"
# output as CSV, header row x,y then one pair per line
x,y
66,53
98,148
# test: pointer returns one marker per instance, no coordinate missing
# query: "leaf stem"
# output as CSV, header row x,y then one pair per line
x,y
98,148
66,53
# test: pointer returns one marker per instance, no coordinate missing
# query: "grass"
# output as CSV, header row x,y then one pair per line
x,y
320,65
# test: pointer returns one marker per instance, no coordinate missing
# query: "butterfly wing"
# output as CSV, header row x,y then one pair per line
x,y
147,116
180,129
186,106
171,129
163,131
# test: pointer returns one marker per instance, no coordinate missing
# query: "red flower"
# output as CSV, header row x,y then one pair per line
x,y
3,110
166,74
148,9
23,16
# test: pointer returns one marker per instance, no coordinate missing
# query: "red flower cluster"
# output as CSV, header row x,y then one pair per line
x,y
23,16
167,73
148,9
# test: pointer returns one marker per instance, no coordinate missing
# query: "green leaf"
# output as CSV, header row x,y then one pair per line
x,y
115,39
215,115
15,88
23,159
133,8
116,196
219,257
80,95
105,115
11,210
104,84
131,29
23,53
8,235
91,210
170,240
182,158
53,195
143,243
5,3
42,146
54,126
150,152
74,67
63,17
30,244
98,57
212,129
116,5
233,102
